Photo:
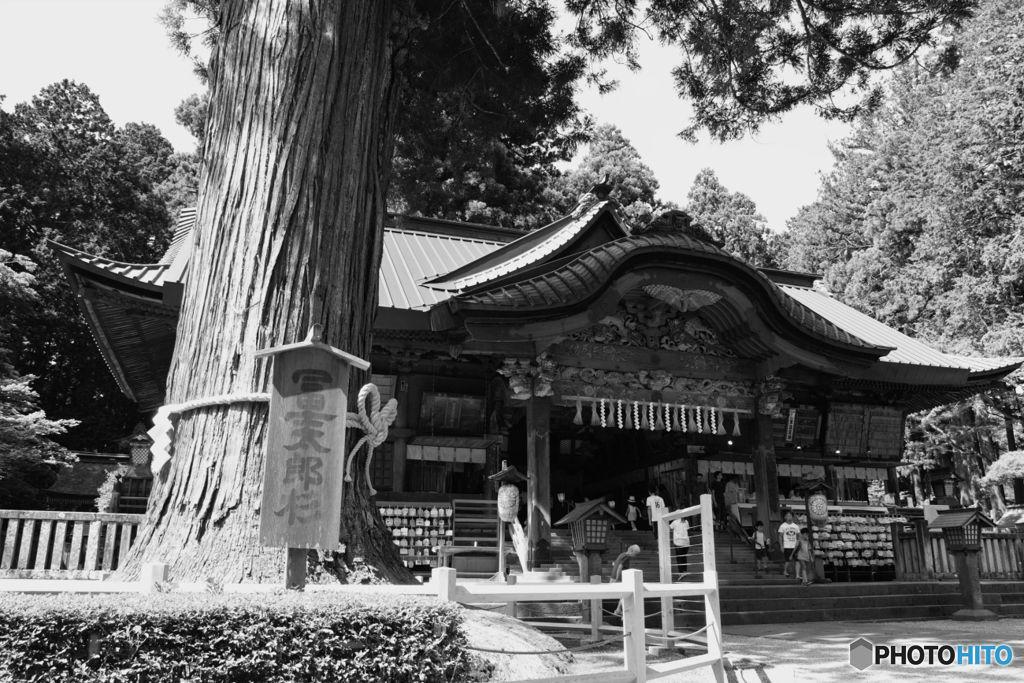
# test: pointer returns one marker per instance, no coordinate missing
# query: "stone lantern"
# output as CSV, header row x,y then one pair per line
x,y
588,523
962,531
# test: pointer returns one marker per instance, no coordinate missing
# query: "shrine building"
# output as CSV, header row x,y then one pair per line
x,y
599,358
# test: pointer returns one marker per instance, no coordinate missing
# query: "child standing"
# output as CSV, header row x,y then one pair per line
x,y
760,546
803,556
790,535
632,512
681,540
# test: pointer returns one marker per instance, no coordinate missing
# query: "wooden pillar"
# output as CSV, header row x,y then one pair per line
x,y
538,487
766,473
894,484
401,422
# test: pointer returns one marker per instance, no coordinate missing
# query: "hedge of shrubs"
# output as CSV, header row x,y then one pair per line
x,y
230,637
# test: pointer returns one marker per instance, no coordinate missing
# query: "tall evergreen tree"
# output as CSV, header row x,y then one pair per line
x,y
920,223
68,174
612,155
732,217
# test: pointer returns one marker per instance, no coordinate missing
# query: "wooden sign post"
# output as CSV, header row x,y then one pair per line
x,y
305,463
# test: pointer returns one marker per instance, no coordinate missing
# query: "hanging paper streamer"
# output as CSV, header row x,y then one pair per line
x,y
735,424
593,413
618,412
682,418
710,415
659,423
668,418
644,424
578,420
636,415
692,415
604,413
721,424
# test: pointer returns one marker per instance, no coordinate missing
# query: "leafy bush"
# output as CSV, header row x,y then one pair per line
x,y
233,637
1008,467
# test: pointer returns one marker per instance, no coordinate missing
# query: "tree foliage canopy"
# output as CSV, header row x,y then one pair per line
x,y
748,61
68,174
732,217
29,460
920,223
611,154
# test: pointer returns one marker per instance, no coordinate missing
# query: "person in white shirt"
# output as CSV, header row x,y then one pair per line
x,y
790,534
655,509
681,541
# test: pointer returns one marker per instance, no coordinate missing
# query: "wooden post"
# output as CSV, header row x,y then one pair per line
x,y
538,486
666,570
634,645
501,548
510,608
596,611
295,569
712,611
766,474
153,573
970,588
303,477
444,579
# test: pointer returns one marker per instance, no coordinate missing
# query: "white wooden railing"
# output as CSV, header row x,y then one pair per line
x,y
632,591
37,544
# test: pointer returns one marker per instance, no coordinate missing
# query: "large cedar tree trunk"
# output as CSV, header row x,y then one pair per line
x,y
289,233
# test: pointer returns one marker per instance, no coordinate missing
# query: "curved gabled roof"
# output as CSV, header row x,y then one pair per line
x,y
574,282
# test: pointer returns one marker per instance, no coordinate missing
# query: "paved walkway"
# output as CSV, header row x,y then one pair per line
x,y
819,652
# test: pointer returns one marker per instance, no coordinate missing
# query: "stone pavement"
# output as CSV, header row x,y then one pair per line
x,y
819,651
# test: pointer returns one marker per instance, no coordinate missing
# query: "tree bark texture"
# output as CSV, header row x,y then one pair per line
x,y
289,233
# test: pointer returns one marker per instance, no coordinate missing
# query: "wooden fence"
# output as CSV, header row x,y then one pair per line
x,y
921,554
64,545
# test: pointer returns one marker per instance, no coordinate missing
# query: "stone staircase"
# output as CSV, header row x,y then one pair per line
x,y
748,597
734,558
775,604
475,525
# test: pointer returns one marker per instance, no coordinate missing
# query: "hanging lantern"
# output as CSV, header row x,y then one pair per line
x,y
508,502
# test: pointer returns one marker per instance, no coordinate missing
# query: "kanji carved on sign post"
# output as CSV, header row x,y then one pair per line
x,y
304,476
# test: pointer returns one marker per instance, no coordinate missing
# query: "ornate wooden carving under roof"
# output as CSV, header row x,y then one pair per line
x,y
657,324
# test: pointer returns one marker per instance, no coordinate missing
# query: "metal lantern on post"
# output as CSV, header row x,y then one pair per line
x,y
588,523
962,532
508,506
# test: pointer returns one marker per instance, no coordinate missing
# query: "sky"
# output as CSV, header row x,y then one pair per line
x,y
121,52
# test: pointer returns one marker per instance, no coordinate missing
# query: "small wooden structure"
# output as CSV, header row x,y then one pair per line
x,y
962,529
588,522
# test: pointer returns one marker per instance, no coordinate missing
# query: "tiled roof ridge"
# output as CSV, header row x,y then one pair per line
x,y
559,238
572,282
